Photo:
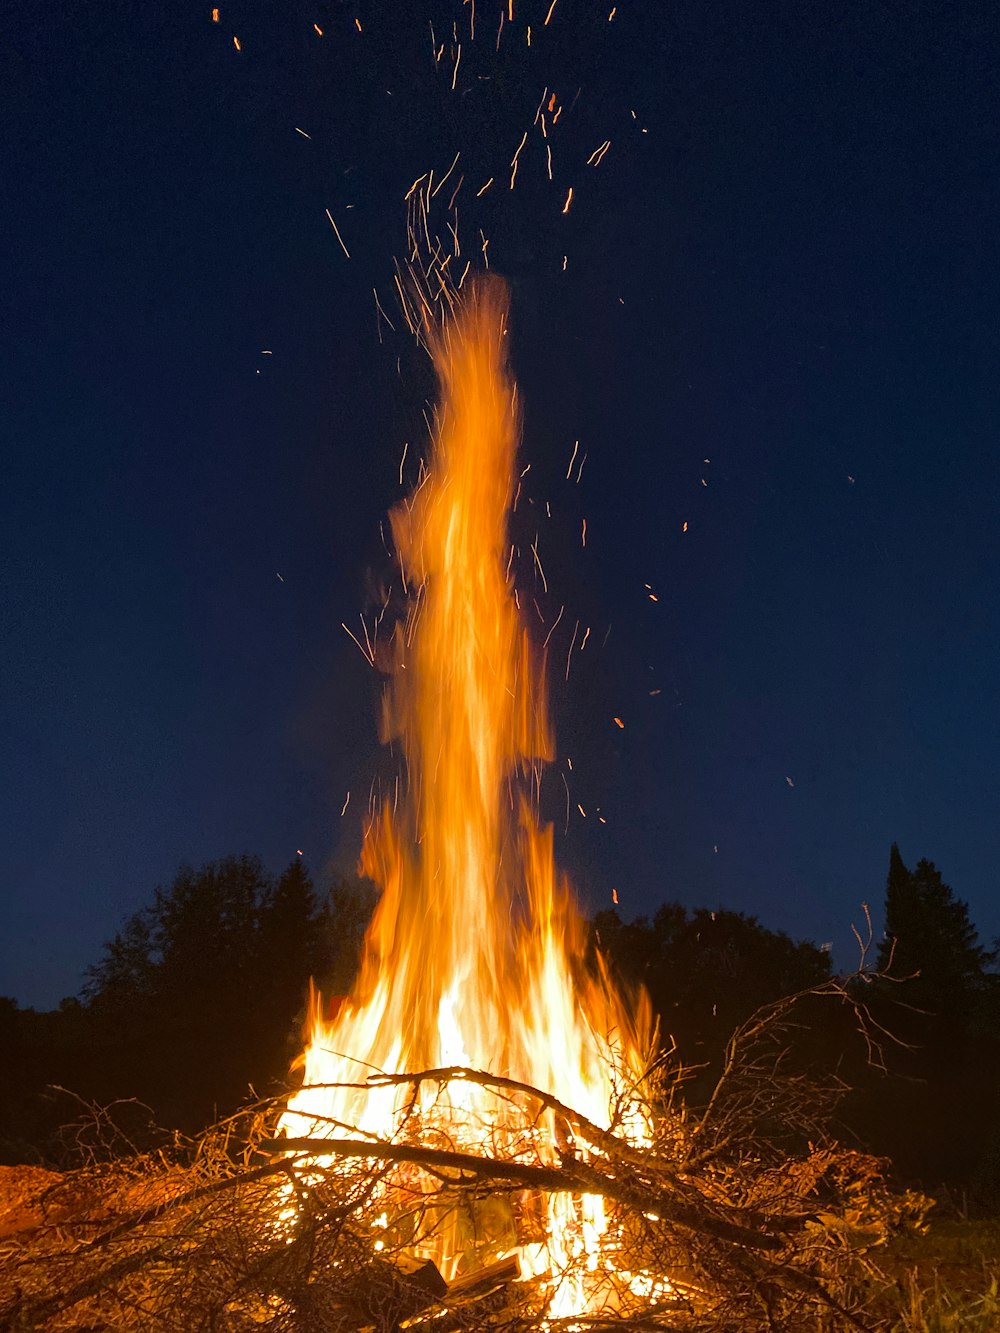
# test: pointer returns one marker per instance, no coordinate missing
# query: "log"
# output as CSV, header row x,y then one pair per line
x,y
485,1280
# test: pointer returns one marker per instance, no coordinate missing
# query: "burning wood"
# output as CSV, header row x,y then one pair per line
x,y
706,1231
475,955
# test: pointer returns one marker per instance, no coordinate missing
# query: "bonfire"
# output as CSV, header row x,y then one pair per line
x,y
484,1135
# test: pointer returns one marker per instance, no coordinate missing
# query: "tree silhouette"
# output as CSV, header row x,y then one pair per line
x,y
706,972
930,939
201,995
290,948
936,1114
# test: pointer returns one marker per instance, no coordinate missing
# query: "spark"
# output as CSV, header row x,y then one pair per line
x,y
378,303
581,809
441,182
613,13
569,197
583,641
357,24
619,723
480,192
553,629
236,43
215,16
412,190
572,644
654,693
303,133
614,892
790,782
336,233
529,34
534,552
579,471
458,61
594,160
317,30
345,805
684,528
583,534
549,14
406,445
367,654
517,154
576,445
565,262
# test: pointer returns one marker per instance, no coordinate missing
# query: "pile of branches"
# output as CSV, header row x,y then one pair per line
x,y
712,1225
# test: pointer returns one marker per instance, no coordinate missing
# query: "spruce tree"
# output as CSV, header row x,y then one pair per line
x,y
930,938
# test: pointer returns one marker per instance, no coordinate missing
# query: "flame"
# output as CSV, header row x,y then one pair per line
x,y
474,957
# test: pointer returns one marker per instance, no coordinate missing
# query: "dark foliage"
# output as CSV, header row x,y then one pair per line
x,y
706,973
198,1000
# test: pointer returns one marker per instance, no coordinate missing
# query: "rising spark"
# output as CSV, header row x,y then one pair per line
x,y
336,232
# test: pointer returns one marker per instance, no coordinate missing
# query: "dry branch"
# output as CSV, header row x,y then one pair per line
x,y
572,1177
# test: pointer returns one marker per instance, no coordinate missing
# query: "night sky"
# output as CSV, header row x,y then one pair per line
x,y
780,281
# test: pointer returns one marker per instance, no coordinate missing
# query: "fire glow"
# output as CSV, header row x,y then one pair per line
x,y
475,957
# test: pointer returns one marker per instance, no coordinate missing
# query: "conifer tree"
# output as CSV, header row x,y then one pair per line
x,y
930,938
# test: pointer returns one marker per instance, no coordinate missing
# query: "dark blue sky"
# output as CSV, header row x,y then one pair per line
x,y
793,275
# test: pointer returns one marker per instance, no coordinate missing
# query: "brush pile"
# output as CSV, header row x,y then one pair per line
x,y
714,1225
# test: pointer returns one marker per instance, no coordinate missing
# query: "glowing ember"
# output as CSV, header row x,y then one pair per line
x,y
474,958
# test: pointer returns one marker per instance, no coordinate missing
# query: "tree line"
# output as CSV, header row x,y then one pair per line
x,y
199,1000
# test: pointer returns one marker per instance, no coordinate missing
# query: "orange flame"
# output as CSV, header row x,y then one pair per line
x,y
475,955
